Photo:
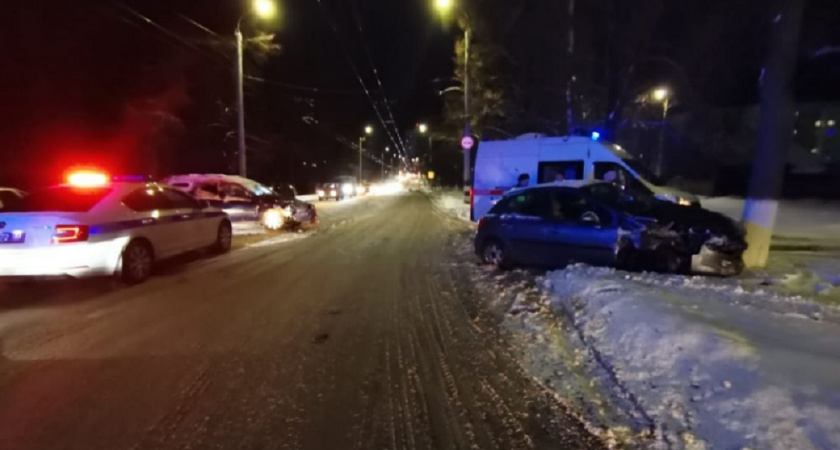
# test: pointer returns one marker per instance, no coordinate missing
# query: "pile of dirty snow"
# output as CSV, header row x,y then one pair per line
x,y
452,203
707,373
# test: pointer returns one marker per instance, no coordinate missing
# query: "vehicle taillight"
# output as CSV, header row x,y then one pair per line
x,y
64,234
482,221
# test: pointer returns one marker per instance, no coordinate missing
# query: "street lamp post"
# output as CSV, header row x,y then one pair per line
x,y
664,96
424,129
382,163
265,9
368,131
445,7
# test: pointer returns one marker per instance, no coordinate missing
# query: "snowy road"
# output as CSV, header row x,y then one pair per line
x,y
357,337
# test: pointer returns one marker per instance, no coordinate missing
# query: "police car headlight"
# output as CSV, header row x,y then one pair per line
x,y
347,189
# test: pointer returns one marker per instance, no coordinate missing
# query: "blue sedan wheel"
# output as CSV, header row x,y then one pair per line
x,y
494,252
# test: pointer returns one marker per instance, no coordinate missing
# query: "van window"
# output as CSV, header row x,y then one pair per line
x,y
560,170
616,173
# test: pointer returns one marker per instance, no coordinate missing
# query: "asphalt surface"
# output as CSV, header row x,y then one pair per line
x,y
359,336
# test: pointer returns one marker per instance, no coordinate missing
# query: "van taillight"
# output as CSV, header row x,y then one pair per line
x,y
64,234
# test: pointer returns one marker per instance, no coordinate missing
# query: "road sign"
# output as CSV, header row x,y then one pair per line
x,y
467,142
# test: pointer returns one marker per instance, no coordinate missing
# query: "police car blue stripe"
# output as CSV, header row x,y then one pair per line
x,y
113,227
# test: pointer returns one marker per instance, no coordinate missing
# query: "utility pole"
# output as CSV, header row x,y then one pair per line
x,y
467,131
240,105
660,154
361,149
774,131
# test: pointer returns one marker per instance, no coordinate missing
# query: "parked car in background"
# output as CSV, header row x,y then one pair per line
x,y
599,223
246,200
339,189
10,196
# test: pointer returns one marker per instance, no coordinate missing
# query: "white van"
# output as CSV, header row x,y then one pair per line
x,y
498,165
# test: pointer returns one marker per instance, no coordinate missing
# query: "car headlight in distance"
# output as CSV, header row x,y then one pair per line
x,y
347,189
320,193
683,201
273,219
360,189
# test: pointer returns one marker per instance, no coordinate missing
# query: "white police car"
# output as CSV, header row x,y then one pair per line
x,y
94,225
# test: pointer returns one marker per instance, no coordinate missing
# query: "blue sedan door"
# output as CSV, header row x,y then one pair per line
x,y
524,226
580,232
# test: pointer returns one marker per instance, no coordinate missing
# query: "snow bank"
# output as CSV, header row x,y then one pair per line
x,y
707,373
452,203
247,228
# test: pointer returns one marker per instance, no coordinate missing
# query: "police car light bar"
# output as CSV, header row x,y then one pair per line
x,y
87,178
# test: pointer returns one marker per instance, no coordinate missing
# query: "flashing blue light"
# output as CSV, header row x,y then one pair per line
x,y
596,135
831,131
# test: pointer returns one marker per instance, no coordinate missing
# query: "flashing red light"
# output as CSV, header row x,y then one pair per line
x,y
87,178
64,234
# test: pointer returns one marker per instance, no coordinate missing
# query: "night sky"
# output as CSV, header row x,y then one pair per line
x,y
91,82
79,71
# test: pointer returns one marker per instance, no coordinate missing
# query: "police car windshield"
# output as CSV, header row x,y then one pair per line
x,y
60,199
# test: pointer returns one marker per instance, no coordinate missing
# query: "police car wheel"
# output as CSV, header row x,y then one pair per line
x,y
224,237
137,262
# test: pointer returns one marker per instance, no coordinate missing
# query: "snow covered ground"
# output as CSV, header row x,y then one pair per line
x,y
452,202
711,368
675,362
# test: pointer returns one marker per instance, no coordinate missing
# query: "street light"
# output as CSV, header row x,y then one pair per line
x,y
368,131
424,129
264,9
662,95
444,7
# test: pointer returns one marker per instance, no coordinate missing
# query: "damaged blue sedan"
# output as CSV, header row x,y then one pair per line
x,y
599,223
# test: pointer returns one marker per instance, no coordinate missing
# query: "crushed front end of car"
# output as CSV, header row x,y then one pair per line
x,y
711,248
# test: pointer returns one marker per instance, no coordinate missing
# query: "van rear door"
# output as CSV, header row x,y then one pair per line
x,y
498,165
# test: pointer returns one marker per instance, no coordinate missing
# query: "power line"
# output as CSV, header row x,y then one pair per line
x,y
313,89
358,20
165,31
358,76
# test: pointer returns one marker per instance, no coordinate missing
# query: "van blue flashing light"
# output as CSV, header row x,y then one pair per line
x,y
596,135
